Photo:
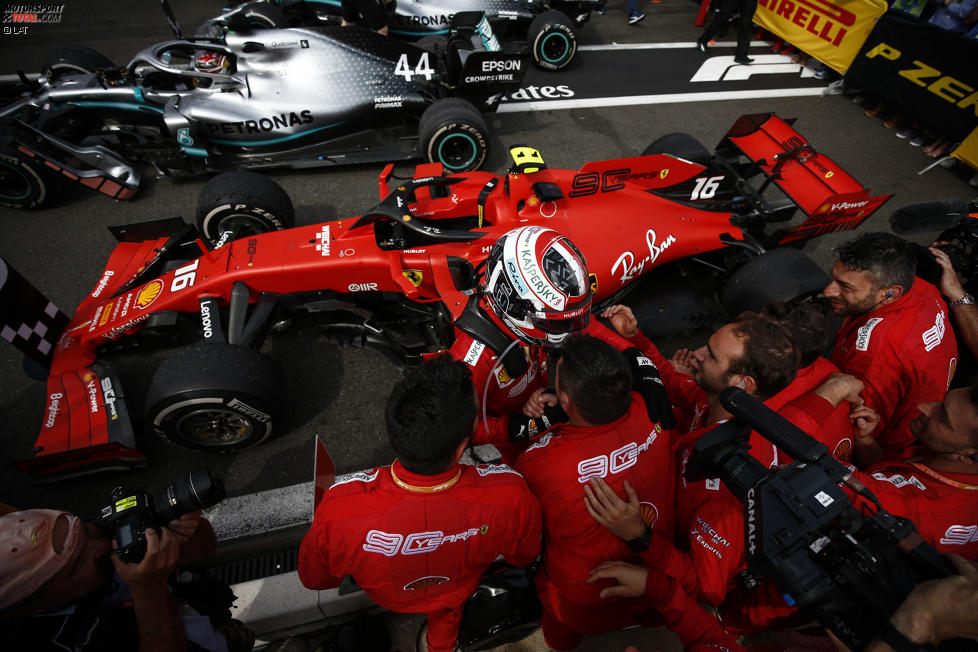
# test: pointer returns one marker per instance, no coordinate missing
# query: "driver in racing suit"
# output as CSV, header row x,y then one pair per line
x,y
534,294
417,535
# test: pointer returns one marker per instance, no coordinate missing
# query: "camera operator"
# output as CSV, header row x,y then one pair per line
x,y
58,590
935,611
937,490
417,535
961,304
896,337
608,435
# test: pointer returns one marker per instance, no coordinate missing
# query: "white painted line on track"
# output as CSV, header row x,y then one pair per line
x,y
668,98
686,45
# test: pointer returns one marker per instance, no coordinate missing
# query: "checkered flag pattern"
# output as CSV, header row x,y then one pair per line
x,y
28,319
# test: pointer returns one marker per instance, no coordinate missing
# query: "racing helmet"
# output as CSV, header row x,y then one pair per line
x,y
211,62
536,283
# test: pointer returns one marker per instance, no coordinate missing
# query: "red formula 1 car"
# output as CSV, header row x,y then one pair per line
x,y
399,277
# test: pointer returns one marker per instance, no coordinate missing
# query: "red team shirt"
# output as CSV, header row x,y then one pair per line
x,y
906,354
557,468
419,544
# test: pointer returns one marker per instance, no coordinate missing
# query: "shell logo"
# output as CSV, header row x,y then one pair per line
x,y
648,513
148,294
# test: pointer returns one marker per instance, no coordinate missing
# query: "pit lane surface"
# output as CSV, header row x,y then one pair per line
x,y
634,84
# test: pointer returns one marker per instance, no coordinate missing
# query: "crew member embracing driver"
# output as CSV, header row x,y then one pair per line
x,y
418,534
534,294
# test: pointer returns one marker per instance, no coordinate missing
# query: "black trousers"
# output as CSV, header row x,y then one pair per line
x,y
744,24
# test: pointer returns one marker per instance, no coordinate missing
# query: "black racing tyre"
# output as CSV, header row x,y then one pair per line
x,y
454,133
25,182
74,59
553,42
781,274
216,397
681,145
243,203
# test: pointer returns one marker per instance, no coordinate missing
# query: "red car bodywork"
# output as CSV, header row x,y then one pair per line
x,y
610,209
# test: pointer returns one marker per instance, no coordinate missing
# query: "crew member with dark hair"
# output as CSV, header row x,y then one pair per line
x,y
534,294
608,435
896,337
418,534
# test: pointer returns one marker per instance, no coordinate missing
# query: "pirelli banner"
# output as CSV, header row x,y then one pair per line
x,y
922,71
832,31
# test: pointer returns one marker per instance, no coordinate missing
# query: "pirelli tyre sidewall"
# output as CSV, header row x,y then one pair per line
x,y
24,183
219,398
454,133
245,202
553,42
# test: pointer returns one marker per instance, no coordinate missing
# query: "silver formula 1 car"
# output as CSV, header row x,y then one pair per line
x,y
548,28
291,98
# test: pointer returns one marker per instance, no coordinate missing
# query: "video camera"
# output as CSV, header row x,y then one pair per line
x,y
132,511
847,568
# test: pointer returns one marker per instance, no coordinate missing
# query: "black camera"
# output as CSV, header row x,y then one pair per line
x,y
847,568
132,511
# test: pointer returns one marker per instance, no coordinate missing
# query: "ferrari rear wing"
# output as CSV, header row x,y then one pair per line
x,y
833,200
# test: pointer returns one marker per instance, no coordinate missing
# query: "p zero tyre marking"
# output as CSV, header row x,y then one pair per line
x,y
450,132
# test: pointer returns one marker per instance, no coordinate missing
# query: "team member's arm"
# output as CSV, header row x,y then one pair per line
x,y
314,568
159,625
527,539
937,610
196,536
864,419
965,316
623,519
693,625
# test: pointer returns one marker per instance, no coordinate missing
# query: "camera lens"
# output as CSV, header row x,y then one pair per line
x,y
198,490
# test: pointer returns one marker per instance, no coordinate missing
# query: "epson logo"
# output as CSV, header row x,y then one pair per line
x,y
205,320
53,405
102,282
498,66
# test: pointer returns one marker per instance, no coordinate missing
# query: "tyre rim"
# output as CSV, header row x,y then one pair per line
x,y
457,151
215,427
241,224
14,184
554,47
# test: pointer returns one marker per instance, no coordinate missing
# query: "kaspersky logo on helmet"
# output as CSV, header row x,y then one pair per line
x,y
522,266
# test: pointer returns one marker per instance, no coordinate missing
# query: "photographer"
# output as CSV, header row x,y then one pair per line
x,y
61,588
